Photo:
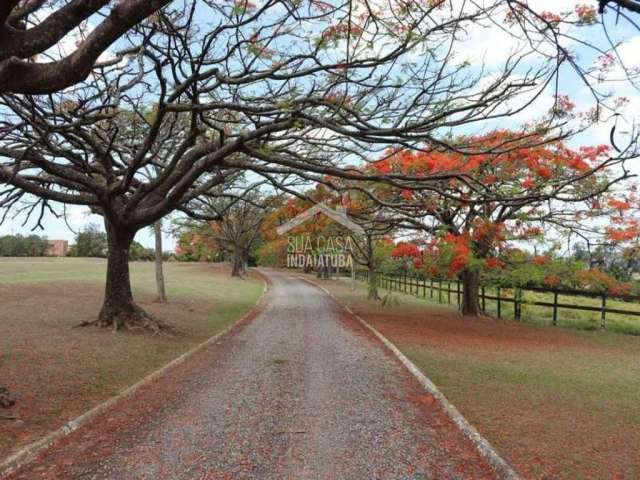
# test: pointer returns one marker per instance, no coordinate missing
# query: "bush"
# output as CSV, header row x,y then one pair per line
x,y
90,242
139,253
20,246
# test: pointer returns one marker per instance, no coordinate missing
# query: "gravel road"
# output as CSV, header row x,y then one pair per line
x,y
300,392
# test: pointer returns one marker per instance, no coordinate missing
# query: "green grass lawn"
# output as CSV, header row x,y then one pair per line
x,y
540,315
30,270
557,403
56,371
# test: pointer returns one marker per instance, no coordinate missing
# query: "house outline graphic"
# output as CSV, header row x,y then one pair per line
x,y
339,215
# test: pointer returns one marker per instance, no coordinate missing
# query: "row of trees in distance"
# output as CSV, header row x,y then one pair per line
x,y
89,242
587,236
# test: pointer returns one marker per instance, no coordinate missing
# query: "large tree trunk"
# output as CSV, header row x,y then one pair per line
x,y
236,263
245,262
119,311
162,293
353,273
324,272
373,285
373,274
470,293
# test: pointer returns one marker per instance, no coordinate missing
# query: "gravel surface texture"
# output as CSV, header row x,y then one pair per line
x,y
301,391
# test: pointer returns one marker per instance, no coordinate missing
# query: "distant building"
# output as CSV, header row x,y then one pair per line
x,y
57,248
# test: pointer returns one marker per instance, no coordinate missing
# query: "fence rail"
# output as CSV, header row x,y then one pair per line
x,y
451,294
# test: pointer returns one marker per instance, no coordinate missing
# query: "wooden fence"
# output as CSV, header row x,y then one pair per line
x,y
450,292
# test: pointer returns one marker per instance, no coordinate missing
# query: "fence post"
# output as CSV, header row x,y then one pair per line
x,y
603,312
459,292
439,291
499,303
424,287
484,300
448,292
555,308
431,287
516,304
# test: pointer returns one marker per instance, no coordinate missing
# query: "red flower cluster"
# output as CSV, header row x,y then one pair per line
x,y
461,252
540,260
620,205
629,232
550,17
406,250
341,31
587,14
532,158
494,263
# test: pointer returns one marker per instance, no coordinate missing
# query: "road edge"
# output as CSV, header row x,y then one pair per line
x,y
499,465
31,451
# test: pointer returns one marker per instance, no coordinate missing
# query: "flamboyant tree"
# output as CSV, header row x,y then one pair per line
x,y
306,242
511,195
284,90
623,231
239,225
196,245
370,248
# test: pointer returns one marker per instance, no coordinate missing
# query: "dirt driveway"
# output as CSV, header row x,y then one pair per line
x,y
302,392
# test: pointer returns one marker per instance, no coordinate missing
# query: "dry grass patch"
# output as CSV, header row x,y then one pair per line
x,y
556,403
56,372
